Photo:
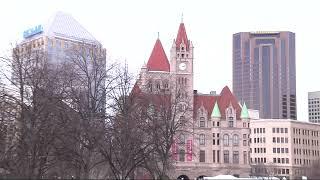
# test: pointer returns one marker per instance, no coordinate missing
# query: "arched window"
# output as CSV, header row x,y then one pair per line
x,y
181,139
226,140
165,84
202,139
235,140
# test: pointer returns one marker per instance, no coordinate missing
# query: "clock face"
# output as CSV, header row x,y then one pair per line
x,y
182,66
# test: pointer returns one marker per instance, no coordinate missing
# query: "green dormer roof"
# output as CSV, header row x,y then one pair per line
x,y
216,111
244,112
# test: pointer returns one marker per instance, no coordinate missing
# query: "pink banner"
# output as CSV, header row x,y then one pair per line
x,y
189,150
174,150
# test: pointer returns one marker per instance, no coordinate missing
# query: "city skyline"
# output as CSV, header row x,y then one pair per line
x,y
129,34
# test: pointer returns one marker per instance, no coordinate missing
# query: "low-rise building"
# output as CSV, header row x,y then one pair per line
x,y
283,147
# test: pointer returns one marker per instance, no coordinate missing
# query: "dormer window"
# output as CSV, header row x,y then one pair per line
x,y
202,122
230,116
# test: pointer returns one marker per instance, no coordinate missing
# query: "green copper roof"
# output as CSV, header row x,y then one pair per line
x,y
244,112
216,111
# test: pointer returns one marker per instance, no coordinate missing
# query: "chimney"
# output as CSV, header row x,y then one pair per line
x,y
195,91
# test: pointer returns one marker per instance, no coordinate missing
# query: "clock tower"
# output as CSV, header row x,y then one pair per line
x,y
181,63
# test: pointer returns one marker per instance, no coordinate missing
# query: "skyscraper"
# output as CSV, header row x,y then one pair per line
x,y
264,72
314,106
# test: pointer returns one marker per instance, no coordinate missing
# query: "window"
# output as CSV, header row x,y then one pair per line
x,y
230,123
274,150
244,124
226,140
181,139
226,156
181,155
202,139
202,122
285,130
213,123
218,156
244,142
214,156
235,140
182,120
218,124
202,156
235,158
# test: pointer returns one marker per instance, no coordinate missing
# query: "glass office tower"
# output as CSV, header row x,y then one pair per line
x,y
264,72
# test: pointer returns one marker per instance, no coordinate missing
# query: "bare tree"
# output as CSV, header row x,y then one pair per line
x,y
263,170
86,76
35,91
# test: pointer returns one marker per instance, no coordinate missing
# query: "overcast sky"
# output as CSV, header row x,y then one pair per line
x,y
128,30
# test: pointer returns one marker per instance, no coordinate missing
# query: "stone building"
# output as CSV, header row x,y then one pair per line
x,y
219,125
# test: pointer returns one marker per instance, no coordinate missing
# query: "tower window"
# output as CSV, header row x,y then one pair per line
x,y
182,55
182,48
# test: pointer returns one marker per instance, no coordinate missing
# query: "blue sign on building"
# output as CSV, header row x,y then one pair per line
x,y
32,31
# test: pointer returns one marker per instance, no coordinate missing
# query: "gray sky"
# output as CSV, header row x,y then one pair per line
x,y
128,30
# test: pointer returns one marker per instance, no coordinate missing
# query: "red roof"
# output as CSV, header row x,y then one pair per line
x,y
206,100
224,99
182,36
158,60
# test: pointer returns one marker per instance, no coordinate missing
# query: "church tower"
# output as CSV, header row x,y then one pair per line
x,y
181,63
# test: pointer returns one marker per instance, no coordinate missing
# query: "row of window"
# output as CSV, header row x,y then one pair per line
x,y
259,140
314,106
226,139
280,139
259,130
302,161
259,150
165,85
280,150
226,156
279,130
202,123
306,142
305,132
281,160
258,160
263,170
313,102
307,152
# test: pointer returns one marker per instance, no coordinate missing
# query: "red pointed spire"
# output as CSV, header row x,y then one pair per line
x,y
158,60
182,36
